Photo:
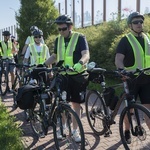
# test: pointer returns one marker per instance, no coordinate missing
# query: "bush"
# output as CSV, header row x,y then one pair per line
x,y
10,135
103,40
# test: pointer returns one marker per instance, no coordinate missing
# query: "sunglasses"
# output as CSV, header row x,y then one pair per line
x,y
62,29
37,37
137,22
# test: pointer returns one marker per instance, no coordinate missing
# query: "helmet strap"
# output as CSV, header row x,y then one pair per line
x,y
137,33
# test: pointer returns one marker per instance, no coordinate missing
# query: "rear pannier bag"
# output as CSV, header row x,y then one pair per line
x,y
26,96
109,94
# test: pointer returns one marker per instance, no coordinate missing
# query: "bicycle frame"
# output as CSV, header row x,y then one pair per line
x,y
126,97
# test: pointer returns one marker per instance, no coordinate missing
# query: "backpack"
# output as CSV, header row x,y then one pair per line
x,y
26,96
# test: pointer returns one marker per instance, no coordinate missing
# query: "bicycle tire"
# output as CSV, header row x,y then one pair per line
x,y
14,100
95,112
140,137
36,121
4,82
67,142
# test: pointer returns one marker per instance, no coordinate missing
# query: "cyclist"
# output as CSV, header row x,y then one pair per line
x,y
8,48
133,52
37,51
72,48
30,39
17,45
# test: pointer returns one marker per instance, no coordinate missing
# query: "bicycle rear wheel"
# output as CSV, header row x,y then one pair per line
x,y
140,132
4,82
69,139
95,112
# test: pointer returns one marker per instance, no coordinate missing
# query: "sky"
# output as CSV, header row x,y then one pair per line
x,y
9,7
7,12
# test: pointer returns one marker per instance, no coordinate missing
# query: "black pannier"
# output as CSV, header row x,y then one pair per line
x,y
95,77
40,71
26,96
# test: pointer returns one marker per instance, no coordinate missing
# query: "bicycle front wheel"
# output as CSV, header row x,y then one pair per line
x,y
4,83
65,136
95,112
36,120
139,119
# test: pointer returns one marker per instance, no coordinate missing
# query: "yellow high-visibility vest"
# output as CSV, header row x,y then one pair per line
x,y
142,57
7,51
38,58
66,54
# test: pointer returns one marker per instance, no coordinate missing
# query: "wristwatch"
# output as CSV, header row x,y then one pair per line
x,y
81,62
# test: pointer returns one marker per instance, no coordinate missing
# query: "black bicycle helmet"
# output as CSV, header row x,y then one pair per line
x,y
37,33
64,19
6,33
32,28
134,15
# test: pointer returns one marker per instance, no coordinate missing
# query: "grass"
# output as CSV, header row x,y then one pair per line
x,y
10,135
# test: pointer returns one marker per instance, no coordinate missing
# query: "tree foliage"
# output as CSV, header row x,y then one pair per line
x,y
38,13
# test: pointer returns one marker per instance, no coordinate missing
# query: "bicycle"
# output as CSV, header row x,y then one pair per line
x,y
41,116
4,76
21,78
101,117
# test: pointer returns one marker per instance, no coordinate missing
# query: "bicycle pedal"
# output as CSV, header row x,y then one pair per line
x,y
106,134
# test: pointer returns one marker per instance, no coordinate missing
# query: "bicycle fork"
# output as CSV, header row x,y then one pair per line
x,y
136,130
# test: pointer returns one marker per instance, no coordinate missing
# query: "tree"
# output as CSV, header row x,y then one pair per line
x,y
38,13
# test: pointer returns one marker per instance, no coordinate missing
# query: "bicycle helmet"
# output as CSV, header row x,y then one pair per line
x,y
134,15
6,33
12,37
37,33
41,32
64,19
32,28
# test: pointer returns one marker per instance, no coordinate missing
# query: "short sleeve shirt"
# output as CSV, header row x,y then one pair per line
x,y
125,48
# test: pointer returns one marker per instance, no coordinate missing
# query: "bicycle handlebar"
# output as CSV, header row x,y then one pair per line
x,y
58,69
119,73
21,65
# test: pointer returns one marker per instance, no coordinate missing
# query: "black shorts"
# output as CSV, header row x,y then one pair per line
x,y
75,90
141,87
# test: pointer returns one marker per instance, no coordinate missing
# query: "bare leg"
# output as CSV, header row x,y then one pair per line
x,y
146,118
126,121
77,108
12,77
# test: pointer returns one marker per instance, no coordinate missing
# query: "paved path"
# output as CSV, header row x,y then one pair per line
x,y
93,142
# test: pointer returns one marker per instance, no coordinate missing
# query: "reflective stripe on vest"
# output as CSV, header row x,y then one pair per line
x,y
7,52
67,54
141,60
31,39
38,58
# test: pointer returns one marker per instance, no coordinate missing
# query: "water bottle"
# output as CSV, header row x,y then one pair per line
x,y
64,95
33,81
82,94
